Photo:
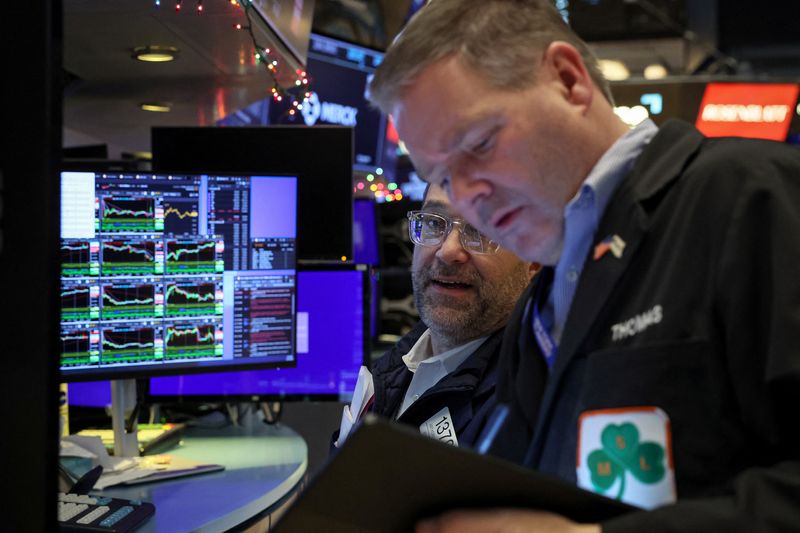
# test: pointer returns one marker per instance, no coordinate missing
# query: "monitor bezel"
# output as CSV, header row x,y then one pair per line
x,y
141,372
172,153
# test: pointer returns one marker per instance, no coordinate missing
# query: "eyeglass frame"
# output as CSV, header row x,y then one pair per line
x,y
451,222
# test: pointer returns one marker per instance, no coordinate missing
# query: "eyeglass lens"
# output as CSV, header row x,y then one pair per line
x,y
430,229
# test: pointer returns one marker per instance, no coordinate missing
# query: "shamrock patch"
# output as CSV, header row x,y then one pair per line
x,y
622,452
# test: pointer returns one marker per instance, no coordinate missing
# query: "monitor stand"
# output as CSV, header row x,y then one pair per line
x,y
124,419
124,424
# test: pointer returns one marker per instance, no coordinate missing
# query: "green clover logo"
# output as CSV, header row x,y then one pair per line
x,y
623,452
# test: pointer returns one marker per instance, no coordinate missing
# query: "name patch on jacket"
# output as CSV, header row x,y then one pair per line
x,y
440,427
637,324
626,454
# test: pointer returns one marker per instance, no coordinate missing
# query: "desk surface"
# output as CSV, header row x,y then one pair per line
x,y
262,465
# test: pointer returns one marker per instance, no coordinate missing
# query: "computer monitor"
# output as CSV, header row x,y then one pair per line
x,y
332,344
339,73
176,273
321,157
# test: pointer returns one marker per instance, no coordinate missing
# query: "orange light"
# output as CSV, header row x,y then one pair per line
x,y
344,258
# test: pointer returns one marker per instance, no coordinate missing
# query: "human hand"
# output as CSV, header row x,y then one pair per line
x,y
503,521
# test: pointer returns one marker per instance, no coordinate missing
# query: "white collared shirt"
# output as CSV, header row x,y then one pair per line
x,y
429,369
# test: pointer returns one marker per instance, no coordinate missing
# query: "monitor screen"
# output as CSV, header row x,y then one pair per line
x,y
166,273
366,249
321,158
332,345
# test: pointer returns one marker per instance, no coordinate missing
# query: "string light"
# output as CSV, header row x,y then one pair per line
x,y
299,91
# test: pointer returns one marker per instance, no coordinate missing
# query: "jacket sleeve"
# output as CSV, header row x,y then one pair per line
x,y
757,309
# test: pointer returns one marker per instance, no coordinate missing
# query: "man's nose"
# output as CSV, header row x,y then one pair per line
x,y
451,250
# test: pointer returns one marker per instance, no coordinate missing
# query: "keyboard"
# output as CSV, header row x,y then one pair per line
x,y
85,512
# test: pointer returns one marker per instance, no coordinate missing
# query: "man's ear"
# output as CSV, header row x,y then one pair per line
x,y
566,67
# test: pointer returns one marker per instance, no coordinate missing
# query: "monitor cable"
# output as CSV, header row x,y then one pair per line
x,y
272,412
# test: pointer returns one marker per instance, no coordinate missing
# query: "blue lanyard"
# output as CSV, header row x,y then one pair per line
x,y
542,334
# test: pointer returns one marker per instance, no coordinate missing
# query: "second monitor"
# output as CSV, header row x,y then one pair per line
x,y
332,344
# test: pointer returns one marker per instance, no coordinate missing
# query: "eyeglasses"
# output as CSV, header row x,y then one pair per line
x,y
431,229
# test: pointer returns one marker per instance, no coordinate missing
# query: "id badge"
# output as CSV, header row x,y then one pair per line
x,y
440,427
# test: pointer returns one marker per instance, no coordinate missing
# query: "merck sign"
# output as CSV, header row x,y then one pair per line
x,y
759,110
329,112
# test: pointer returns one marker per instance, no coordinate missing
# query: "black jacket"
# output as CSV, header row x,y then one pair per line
x,y
468,392
712,228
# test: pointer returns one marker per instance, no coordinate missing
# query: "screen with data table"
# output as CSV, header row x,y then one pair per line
x,y
167,273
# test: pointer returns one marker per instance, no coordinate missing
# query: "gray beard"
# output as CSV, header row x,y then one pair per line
x,y
456,321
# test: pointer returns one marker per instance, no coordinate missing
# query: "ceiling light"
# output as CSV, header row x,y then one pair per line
x,y
656,71
613,69
156,107
155,54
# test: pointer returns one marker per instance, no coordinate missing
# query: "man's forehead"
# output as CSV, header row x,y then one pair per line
x,y
431,134
437,206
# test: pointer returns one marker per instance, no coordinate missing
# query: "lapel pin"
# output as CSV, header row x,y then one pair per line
x,y
613,243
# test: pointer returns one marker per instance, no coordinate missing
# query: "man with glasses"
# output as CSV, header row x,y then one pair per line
x,y
443,372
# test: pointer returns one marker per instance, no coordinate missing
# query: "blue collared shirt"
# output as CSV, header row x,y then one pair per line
x,y
582,216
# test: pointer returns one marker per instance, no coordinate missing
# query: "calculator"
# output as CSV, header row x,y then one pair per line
x,y
85,512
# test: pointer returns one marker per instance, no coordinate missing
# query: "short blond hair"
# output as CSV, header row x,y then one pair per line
x,y
502,40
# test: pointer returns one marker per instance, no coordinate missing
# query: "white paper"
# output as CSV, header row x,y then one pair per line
x,y
363,393
115,469
115,477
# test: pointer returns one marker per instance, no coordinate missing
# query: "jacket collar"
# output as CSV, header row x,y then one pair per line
x,y
524,375
391,376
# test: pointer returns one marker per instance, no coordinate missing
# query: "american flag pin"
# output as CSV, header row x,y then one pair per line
x,y
614,243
